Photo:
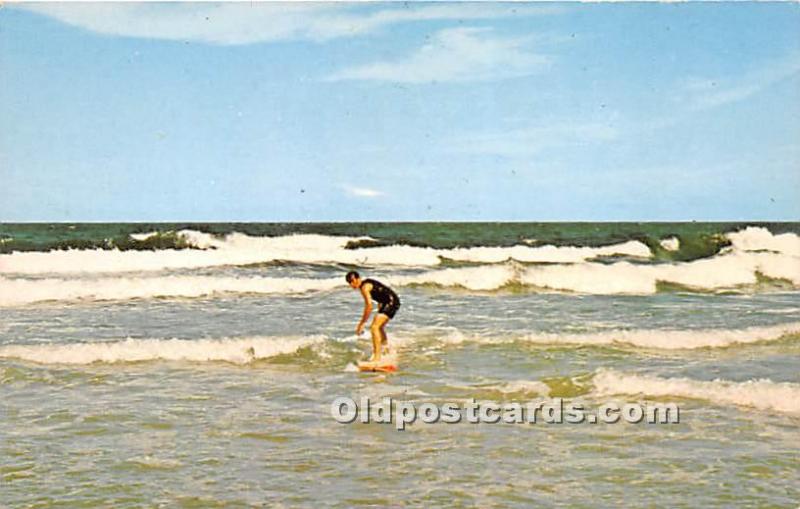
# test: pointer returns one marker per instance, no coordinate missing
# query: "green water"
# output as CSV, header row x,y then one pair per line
x,y
697,239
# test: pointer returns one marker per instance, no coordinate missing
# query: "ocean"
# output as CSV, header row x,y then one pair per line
x,y
194,365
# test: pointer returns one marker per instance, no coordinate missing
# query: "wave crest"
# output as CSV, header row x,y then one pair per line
x,y
239,249
663,339
238,351
761,394
733,272
17,292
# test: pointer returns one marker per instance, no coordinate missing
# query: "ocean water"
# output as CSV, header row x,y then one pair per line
x,y
194,365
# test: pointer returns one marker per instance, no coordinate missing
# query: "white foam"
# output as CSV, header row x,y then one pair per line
x,y
15,292
482,278
758,239
761,394
725,271
594,278
142,236
446,335
525,386
722,272
643,338
240,249
672,339
670,243
238,350
735,269
234,249
545,254
513,387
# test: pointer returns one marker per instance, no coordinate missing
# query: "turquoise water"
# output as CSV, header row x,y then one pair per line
x,y
203,376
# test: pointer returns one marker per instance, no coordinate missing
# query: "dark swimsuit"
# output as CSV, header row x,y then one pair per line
x,y
388,301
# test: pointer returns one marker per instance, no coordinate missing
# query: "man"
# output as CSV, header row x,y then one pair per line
x,y
388,304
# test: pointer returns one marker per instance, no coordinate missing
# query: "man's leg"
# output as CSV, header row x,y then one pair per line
x,y
384,339
377,335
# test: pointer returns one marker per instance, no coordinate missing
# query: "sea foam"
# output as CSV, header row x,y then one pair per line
x,y
760,394
755,256
240,249
733,271
725,271
757,238
671,339
16,292
234,350
665,339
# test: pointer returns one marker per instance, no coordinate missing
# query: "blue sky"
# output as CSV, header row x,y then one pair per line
x,y
390,111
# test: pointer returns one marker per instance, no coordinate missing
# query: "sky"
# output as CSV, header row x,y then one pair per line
x,y
399,112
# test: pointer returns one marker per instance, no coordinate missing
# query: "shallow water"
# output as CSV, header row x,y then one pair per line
x,y
223,400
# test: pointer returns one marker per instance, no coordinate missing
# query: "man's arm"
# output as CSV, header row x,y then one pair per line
x,y
365,289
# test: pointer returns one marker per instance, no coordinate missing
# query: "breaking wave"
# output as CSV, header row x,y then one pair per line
x,y
16,292
760,394
731,272
723,272
248,349
240,249
761,239
238,350
642,338
755,260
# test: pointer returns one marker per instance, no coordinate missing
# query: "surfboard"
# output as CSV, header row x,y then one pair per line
x,y
383,366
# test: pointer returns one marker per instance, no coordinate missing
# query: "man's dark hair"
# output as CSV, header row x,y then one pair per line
x,y
351,276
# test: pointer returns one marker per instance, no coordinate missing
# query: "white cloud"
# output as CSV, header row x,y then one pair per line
x,y
352,24
221,24
455,54
531,140
245,23
363,192
704,93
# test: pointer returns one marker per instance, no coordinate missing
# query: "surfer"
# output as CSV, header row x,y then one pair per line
x,y
388,304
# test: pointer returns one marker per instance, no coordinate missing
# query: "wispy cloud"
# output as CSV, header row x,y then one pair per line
x,y
705,93
244,23
363,192
531,140
456,54
353,24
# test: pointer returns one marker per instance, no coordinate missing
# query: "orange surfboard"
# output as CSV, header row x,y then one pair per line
x,y
383,366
